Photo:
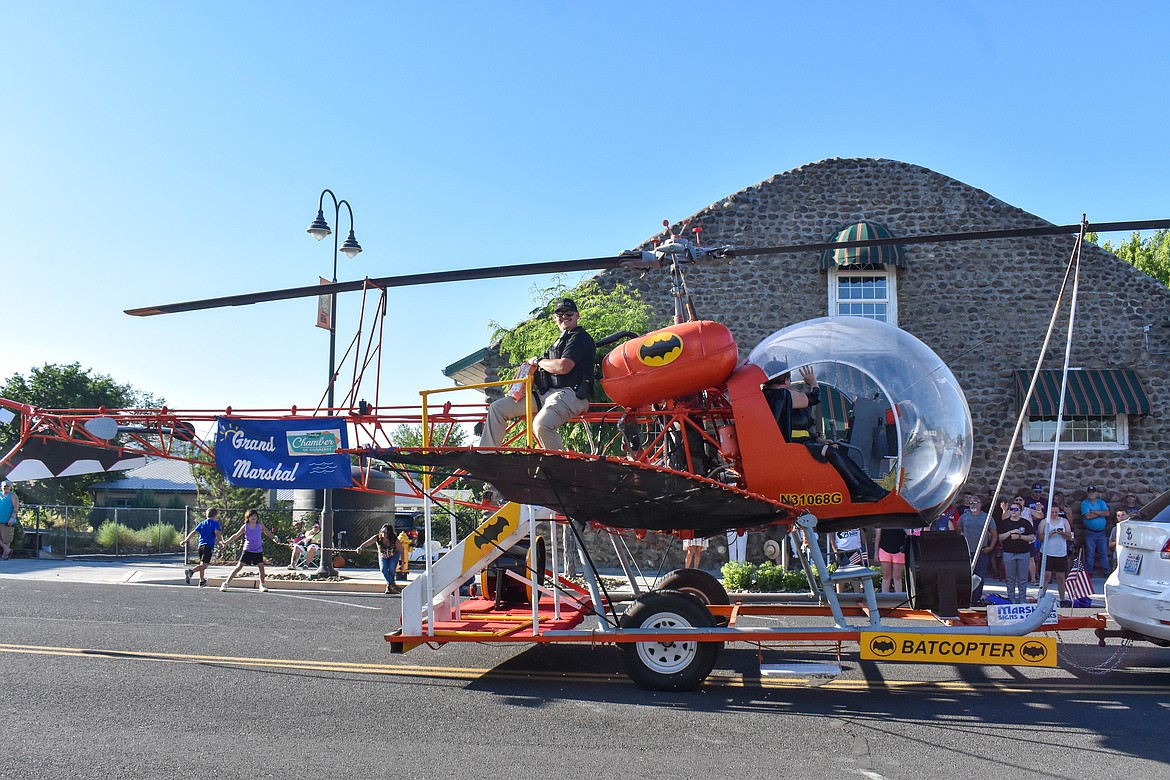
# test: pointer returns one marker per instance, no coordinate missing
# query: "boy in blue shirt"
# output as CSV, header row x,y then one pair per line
x,y
210,534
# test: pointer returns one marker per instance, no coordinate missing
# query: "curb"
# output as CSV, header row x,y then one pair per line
x,y
253,583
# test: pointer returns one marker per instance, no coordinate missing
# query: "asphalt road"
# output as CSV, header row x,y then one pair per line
x,y
112,681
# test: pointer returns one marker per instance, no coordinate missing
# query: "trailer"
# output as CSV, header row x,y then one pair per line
x,y
670,637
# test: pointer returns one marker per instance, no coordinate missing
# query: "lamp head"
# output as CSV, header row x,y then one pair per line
x,y
350,247
320,228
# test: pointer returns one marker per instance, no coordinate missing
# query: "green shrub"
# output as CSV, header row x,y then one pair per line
x,y
796,581
738,576
765,577
161,535
111,535
769,577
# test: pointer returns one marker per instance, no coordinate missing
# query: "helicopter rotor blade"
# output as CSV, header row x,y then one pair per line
x,y
634,259
947,238
406,280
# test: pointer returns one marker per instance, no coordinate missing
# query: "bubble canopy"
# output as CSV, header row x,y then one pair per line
x,y
884,371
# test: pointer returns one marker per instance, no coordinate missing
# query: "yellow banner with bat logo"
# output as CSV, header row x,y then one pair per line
x,y
959,648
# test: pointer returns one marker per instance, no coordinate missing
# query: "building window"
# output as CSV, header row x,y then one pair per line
x,y
1078,433
868,292
1097,405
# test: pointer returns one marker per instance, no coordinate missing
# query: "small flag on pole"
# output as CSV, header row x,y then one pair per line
x,y
1078,583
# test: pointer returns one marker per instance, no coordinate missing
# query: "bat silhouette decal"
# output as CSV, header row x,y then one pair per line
x,y
882,645
660,349
491,532
1034,651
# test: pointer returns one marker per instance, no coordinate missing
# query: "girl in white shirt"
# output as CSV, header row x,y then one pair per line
x,y
1056,533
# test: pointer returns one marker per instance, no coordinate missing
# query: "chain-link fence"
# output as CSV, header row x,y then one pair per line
x,y
51,529
84,530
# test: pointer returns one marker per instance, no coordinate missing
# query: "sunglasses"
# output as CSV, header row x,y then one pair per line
x,y
1014,509
563,314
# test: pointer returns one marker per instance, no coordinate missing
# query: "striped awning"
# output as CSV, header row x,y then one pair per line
x,y
835,410
1102,392
887,254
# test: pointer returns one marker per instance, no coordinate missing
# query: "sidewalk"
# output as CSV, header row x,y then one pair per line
x,y
167,570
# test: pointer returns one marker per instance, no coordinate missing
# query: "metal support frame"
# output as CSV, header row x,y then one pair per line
x,y
824,583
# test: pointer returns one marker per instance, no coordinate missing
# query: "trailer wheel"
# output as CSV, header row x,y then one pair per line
x,y
701,585
668,666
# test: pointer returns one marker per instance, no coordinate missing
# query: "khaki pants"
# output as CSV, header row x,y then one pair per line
x,y
557,407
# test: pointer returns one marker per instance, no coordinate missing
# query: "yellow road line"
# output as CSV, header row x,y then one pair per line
x,y
472,673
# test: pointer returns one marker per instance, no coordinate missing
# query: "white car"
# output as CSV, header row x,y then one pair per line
x,y
1137,593
417,555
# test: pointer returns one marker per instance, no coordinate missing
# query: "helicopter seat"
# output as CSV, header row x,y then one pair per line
x,y
862,489
867,437
798,426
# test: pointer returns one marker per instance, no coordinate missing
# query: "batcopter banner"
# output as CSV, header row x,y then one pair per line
x,y
283,453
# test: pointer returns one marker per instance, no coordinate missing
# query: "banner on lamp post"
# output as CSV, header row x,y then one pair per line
x,y
324,309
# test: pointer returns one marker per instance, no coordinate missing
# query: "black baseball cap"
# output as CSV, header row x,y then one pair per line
x,y
1091,489
1037,486
564,304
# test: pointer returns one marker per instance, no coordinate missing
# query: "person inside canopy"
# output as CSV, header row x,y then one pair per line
x,y
795,415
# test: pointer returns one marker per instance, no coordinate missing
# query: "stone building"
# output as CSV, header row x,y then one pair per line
x,y
984,306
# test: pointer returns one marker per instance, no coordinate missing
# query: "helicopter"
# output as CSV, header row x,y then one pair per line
x,y
699,449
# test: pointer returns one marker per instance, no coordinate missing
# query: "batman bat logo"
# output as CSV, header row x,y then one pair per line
x,y
660,349
882,645
491,532
1034,651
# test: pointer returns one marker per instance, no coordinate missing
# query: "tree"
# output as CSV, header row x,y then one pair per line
x,y
442,434
1151,256
214,490
445,435
66,387
603,312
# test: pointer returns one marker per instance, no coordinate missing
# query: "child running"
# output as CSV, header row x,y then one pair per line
x,y
209,533
253,532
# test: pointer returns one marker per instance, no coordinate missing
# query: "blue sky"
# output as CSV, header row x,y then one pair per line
x,y
154,153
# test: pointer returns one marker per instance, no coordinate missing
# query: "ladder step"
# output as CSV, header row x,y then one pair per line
x,y
846,573
815,673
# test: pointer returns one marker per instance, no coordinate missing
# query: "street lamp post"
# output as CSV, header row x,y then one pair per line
x,y
319,230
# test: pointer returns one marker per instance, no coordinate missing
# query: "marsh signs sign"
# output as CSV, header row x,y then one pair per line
x,y
959,649
292,453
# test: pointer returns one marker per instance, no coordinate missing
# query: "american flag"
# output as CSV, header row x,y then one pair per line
x,y
1078,583
859,559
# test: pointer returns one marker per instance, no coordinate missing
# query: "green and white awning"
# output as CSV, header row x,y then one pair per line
x,y
1102,392
863,256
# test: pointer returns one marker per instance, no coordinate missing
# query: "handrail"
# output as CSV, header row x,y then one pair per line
x,y
527,380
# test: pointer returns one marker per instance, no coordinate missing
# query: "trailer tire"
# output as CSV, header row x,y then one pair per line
x,y
668,666
700,584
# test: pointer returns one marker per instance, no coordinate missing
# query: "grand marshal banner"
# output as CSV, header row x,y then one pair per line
x,y
283,453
